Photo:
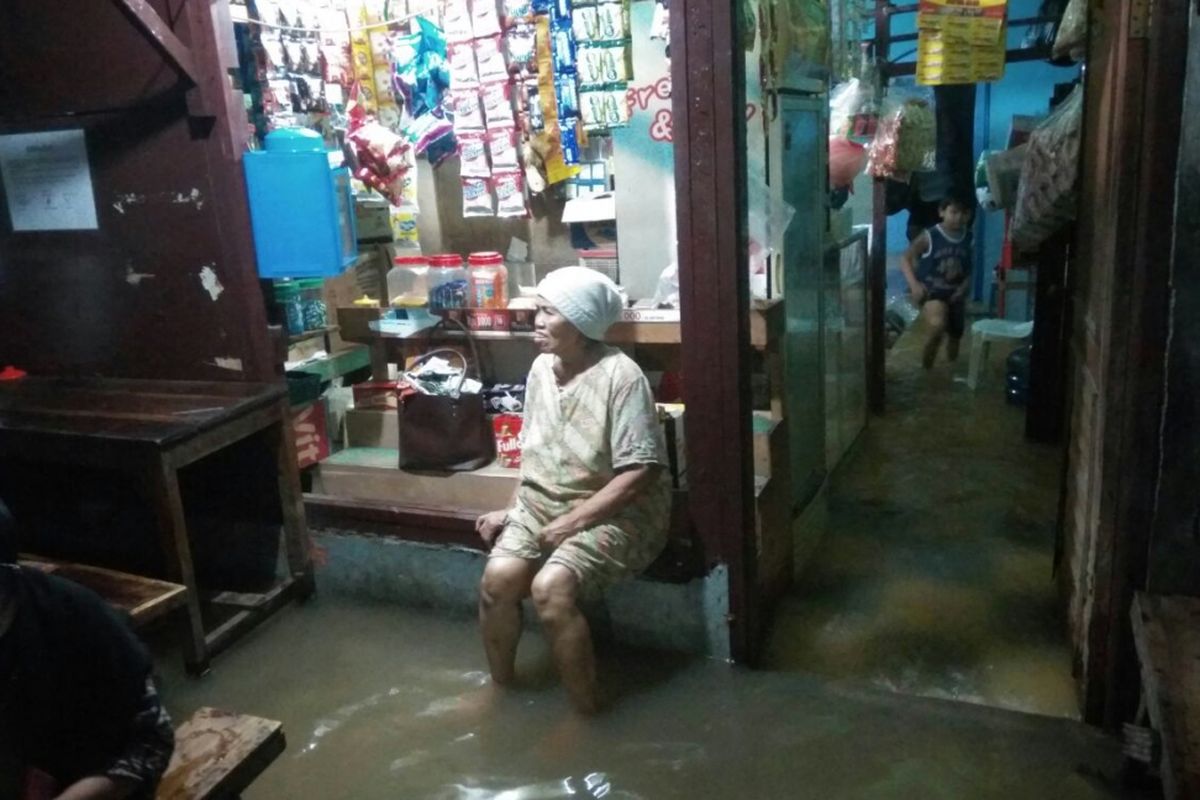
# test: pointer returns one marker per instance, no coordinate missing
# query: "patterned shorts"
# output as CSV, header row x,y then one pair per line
x,y
598,557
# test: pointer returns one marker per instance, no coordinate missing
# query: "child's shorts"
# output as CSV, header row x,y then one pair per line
x,y
956,320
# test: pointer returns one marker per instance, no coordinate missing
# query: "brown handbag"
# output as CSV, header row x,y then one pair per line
x,y
446,432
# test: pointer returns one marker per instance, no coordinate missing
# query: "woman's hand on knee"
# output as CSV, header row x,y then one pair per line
x,y
489,526
560,530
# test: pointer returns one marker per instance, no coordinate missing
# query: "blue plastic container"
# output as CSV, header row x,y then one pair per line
x,y
301,209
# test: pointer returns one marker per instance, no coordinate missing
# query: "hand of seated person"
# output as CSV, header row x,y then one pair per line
x,y
489,526
559,531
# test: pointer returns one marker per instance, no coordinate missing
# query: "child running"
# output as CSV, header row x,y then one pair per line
x,y
937,265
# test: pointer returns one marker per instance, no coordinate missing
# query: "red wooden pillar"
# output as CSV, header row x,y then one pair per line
x,y
708,98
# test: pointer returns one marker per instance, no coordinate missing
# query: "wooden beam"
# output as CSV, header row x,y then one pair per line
x,y
163,38
707,98
1167,633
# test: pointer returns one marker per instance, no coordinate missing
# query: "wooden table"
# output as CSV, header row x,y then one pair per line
x,y
150,430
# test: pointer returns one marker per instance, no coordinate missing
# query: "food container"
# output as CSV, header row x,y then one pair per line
x,y
312,298
448,287
488,280
408,281
291,306
507,430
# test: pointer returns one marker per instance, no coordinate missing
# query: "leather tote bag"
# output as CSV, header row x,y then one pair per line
x,y
446,432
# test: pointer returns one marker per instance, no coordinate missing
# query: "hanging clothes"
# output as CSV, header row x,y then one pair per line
x,y
955,112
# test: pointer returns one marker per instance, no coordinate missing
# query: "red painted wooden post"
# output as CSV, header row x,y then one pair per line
x,y
708,100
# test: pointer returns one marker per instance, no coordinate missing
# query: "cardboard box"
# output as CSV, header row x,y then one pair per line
x,y
377,395
310,434
372,428
355,322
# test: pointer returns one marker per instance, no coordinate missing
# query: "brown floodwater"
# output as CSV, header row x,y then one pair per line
x,y
933,573
932,578
382,702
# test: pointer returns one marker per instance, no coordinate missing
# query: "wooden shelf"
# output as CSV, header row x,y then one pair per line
x,y
304,337
766,328
644,333
335,365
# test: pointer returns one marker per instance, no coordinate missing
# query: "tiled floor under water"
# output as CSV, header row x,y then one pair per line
x,y
933,574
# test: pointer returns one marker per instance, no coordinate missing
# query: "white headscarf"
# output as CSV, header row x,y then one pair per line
x,y
587,298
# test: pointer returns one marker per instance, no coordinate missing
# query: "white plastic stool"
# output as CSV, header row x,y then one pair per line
x,y
986,331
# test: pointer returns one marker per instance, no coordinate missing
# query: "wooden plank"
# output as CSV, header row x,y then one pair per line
x,y
143,599
218,754
162,36
682,560
291,501
1166,631
163,493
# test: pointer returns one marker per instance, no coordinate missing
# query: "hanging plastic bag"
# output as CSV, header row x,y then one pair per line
x,y
1047,197
846,161
906,140
1071,40
845,103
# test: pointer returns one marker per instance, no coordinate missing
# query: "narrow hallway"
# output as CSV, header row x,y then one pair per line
x,y
933,572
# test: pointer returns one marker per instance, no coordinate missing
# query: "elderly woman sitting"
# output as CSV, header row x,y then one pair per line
x,y
593,502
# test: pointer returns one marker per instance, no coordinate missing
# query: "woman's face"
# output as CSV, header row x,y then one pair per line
x,y
552,333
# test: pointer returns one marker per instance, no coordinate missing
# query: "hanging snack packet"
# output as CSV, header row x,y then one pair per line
x,y
612,21
490,59
473,156
484,19
477,199
533,107
563,46
456,21
380,46
521,42
517,11
541,6
468,116
602,64
560,10
585,24
570,141
461,58
497,107
603,108
502,142
568,96
510,195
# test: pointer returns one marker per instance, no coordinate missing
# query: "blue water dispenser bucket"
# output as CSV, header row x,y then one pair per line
x,y
301,208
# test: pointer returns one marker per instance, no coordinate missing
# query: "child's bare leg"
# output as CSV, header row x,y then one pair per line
x,y
936,313
952,345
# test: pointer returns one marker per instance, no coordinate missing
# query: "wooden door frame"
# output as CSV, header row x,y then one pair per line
x,y
708,97
1142,143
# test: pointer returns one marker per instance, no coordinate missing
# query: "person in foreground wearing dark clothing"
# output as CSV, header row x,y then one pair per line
x,y
80,718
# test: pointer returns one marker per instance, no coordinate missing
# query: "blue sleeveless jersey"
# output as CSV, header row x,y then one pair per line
x,y
944,267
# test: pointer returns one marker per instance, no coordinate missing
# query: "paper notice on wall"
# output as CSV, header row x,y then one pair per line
x,y
47,181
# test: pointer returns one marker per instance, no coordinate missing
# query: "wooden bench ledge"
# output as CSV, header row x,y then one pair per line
x,y
144,599
218,754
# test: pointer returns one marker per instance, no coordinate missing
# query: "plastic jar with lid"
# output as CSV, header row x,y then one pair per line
x,y
287,297
312,299
447,282
488,279
408,281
